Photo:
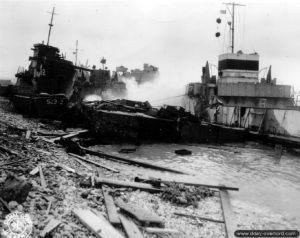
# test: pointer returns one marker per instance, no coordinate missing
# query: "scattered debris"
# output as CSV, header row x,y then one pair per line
x,y
63,191
184,195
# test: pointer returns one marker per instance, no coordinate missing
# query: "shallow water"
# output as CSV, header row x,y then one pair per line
x,y
265,181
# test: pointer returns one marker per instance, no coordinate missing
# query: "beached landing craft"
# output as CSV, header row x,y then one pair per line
x,y
51,81
238,98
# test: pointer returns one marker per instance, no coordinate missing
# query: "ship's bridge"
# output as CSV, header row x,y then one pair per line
x,y
238,67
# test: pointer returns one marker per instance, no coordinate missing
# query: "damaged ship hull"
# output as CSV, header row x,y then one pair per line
x,y
41,105
135,127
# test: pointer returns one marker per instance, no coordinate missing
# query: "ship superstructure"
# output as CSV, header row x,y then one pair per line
x,y
237,97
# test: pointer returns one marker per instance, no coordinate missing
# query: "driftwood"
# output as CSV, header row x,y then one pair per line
x,y
120,183
200,218
157,181
95,163
130,161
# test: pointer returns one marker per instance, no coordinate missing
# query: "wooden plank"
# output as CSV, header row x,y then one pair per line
x,y
142,215
200,218
77,158
43,181
152,180
111,209
98,164
43,133
68,136
131,229
131,161
156,230
120,183
228,215
97,224
34,171
53,224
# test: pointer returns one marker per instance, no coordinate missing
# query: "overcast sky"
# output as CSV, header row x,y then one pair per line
x,y
178,36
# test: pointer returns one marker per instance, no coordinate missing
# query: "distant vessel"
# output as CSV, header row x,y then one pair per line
x,y
147,74
238,98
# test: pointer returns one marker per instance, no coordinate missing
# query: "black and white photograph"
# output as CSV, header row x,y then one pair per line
x,y
149,119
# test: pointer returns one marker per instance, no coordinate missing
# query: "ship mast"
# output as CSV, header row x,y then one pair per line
x,y
50,24
233,4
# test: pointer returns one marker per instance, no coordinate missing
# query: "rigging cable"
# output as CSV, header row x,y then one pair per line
x,y
162,99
